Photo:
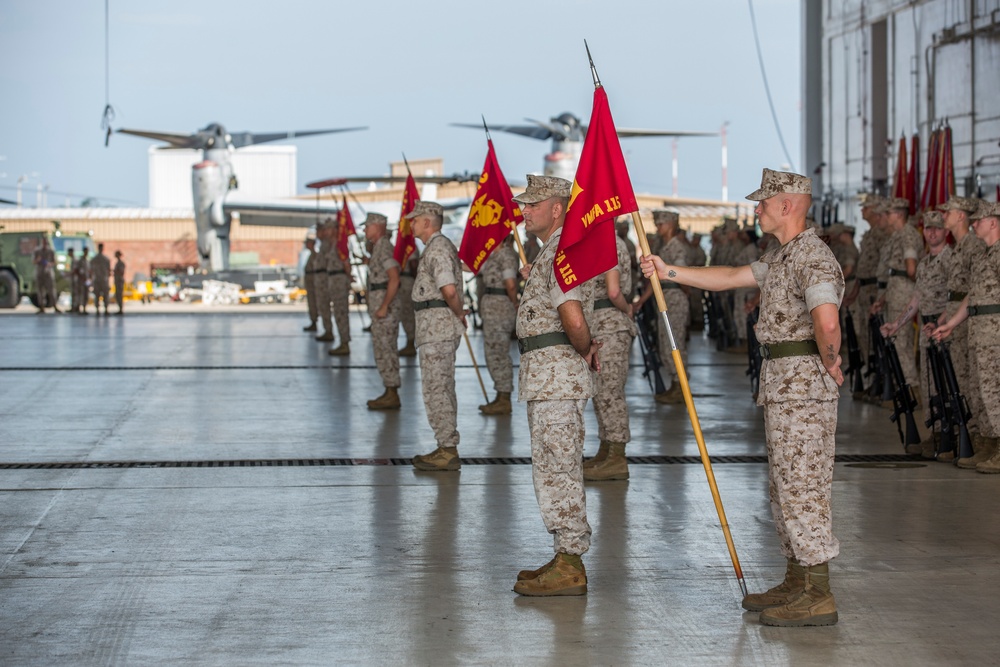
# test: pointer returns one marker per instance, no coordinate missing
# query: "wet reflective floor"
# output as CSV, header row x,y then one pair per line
x,y
207,487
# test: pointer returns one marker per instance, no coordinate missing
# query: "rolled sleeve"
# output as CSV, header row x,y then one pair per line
x,y
559,297
759,270
444,277
821,293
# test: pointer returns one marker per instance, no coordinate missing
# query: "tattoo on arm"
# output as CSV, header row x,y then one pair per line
x,y
830,354
671,273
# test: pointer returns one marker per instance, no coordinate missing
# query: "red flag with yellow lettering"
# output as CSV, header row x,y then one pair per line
x,y
602,190
492,217
405,241
345,229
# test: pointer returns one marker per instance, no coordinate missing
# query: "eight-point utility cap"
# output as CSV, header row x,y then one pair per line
x,y
986,210
375,219
663,216
541,188
967,204
781,182
425,208
896,204
933,219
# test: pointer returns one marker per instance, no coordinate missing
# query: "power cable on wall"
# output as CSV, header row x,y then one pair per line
x,y
767,88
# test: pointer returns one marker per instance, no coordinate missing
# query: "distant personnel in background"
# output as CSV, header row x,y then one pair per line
x,y
45,277
622,225
498,308
441,322
326,234
406,317
71,266
696,297
339,284
383,306
100,271
309,282
83,280
119,281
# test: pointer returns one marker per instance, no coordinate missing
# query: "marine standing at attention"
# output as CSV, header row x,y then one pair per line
x,y
555,378
440,321
383,307
119,281
498,308
100,269
339,285
326,234
799,330
45,277
309,280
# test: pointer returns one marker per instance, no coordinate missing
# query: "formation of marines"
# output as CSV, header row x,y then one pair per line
x,y
796,279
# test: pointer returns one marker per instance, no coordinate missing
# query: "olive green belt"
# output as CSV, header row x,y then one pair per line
x,y
792,348
867,281
433,303
532,343
333,273
603,303
315,271
375,287
899,273
882,285
496,291
957,296
991,309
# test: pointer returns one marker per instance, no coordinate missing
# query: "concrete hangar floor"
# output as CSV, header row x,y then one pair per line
x,y
207,487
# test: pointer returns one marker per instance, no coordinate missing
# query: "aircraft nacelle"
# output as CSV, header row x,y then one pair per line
x,y
209,184
564,159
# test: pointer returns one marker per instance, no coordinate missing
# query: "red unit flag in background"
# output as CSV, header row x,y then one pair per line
x,y
405,241
345,229
492,217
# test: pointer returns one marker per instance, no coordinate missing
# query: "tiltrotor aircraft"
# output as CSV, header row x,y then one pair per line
x,y
567,133
212,179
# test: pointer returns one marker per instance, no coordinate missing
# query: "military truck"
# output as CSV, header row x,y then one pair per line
x,y
17,265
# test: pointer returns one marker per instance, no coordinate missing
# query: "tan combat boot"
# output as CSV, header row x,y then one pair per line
x,y
671,396
389,400
442,459
341,350
325,337
408,350
982,447
566,576
311,327
783,593
991,466
602,453
524,575
499,406
615,466
813,606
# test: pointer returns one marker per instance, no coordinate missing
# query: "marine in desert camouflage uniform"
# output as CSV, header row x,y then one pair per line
x,y
441,322
326,234
555,379
338,280
407,319
673,251
982,307
967,256
612,323
929,299
498,309
309,281
865,290
383,306
900,256
799,328
100,271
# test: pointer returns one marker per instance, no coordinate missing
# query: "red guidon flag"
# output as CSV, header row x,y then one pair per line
x,y
405,241
492,217
345,229
602,190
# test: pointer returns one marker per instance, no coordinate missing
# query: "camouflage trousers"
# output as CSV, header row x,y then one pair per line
x,y
609,401
904,338
927,388
437,379
385,331
499,318
966,372
45,286
340,291
407,317
800,451
310,283
101,292
119,293
557,433
323,302
987,364
859,311
678,313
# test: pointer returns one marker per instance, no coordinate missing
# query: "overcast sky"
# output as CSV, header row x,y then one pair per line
x,y
406,69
